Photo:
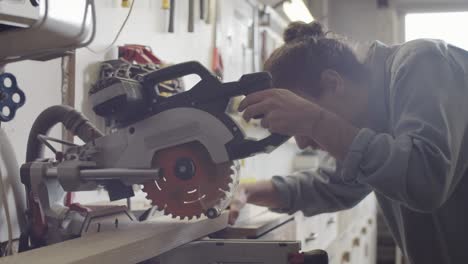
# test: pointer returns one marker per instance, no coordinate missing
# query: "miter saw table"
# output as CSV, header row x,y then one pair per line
x,y
163,240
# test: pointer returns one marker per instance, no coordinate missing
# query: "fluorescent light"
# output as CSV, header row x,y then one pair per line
x,y
296,10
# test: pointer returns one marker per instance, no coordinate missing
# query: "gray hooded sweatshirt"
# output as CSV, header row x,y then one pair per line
x,y
413,155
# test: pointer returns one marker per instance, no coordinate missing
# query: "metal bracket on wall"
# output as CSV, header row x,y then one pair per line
x,y
11,97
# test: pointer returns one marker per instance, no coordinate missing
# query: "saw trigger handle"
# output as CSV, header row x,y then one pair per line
x,y
251,147
255,82
251,83
247,84
178,71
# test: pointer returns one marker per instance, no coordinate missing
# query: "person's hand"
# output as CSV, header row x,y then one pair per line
x,y
237,203
304,142
282,111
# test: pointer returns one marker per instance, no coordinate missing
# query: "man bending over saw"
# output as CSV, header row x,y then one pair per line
x,y
397,125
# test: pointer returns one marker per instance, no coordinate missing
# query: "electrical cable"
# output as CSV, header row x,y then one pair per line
x,y
8,248
13,182
118,33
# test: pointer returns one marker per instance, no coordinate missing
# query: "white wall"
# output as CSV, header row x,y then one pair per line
x,y
361,20
432,5
41,82
147,25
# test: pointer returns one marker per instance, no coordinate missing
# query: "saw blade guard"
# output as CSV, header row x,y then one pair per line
x,y
213,96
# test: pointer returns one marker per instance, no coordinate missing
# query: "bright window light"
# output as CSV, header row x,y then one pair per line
x,y
296,10
445,26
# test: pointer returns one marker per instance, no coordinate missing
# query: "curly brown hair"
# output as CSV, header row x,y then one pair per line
x,y
307,52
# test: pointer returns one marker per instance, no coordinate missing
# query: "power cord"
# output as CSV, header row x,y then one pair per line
x,y
9,246
118,33
8,249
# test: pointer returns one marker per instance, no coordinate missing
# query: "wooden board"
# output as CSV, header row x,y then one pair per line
x,y
131,244
254,227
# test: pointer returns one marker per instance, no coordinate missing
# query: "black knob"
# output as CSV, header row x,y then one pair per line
x,y
184,169
212,213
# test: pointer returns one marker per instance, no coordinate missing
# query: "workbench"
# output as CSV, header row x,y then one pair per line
x,y
348,236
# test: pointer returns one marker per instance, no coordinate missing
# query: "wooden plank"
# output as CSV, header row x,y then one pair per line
x,y
254,227
131,244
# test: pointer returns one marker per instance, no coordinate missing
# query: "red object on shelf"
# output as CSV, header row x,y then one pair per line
x,y
139,54
217,63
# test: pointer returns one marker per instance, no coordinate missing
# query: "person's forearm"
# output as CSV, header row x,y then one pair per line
x,y
263,193
333,134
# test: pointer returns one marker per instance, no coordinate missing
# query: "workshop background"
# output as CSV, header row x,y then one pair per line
x,y
244,38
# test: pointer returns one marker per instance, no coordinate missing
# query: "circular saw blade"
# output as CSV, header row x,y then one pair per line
x,y
191,183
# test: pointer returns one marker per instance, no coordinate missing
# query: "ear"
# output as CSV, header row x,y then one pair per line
x,y
332,82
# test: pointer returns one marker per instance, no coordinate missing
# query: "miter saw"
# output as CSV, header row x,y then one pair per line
x,y
181,149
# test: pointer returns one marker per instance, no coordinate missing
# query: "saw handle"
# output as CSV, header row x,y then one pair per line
x,y
251,83
254,82
178,71
251,147
248,83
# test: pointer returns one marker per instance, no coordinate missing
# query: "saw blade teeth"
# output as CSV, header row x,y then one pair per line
x,y
167,196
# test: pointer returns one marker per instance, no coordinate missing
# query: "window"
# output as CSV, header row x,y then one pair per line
x,y
446,26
